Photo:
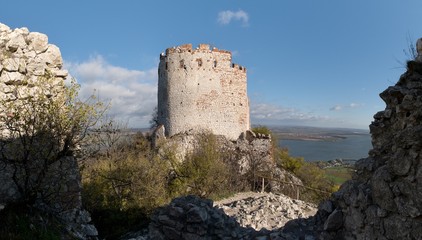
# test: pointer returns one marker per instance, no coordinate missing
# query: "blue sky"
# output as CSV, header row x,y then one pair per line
x,y
314,63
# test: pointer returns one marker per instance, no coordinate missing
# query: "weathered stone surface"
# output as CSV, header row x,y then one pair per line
x,y
334,221
51,57
199,220
221,221
37,42
16,41
201,89
25,58
384,199
265,210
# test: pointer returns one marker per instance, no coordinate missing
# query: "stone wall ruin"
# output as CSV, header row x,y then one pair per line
x,y
384,198
201,89
30,66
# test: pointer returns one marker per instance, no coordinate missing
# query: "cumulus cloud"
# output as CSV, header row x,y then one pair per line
x,y
274,114
342,107
225,17
132,93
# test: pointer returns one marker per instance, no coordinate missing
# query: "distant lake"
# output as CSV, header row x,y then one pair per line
x,y
350,147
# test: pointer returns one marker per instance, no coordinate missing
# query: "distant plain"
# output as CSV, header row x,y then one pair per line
x,y
323,144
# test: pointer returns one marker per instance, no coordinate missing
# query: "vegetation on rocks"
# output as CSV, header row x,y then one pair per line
x,y
126,182
38,136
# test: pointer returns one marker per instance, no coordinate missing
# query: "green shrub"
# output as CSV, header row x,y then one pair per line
x,y
315,178
262,130
285,161
203,172
123,185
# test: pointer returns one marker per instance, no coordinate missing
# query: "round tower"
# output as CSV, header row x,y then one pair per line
x,y
201,89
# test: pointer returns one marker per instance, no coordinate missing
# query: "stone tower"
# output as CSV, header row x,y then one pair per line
x,y
201,89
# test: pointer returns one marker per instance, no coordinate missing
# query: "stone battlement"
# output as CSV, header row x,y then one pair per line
x,y
202,48
201,89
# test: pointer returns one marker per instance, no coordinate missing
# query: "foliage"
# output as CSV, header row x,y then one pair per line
x,y
338,175
410,52
153,123
285,161
124,183
262,130
203,172
40,128
314,177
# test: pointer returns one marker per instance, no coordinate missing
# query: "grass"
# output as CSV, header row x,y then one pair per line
x,y
339,175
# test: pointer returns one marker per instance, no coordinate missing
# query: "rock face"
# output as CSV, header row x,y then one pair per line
x,y
384,198
26,61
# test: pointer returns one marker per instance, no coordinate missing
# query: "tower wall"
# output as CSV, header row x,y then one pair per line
x,y
202,89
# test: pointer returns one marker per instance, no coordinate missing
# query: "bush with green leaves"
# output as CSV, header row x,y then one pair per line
x,y
319,186
285,161
126,182
39,129
262,130
203,172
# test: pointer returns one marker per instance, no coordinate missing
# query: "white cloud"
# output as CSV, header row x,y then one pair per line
x,y
343,107
225,17
354,105
132,93
273,114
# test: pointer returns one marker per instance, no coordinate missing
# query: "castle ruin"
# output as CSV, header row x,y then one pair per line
x,y
201,89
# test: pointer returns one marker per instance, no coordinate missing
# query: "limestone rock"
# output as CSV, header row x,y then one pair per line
x,y
52,57
265,210
16,41
37,42
383,201
25,59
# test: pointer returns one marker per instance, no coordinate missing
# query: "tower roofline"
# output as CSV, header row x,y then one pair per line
x,y
200,48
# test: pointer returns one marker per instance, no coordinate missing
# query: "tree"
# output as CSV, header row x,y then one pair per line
x,y
42,125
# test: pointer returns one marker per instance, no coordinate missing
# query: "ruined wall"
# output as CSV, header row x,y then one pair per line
x,y
30,66
384,198
202,89
25,59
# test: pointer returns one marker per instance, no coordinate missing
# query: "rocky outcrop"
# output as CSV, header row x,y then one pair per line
x,y
250,152
384,198
30,66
